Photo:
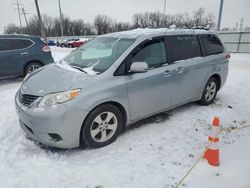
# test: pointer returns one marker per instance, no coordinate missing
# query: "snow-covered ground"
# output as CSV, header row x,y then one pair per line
x,y
155,152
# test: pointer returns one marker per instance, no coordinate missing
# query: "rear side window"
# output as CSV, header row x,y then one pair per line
x,y
14,44
184,47
21,43
212,44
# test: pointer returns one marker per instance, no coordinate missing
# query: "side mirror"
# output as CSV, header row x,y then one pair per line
x,y
138,67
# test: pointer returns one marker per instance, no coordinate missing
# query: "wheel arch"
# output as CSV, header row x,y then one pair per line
x,y
218,78
31,61
114,103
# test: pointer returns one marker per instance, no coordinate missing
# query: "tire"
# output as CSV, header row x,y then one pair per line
x,y
31,67
209,92
71,46
97,131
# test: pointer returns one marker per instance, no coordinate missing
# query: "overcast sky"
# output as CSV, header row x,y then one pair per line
x,y
122,10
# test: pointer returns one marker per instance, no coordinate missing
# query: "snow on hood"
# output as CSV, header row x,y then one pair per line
x,y
54,78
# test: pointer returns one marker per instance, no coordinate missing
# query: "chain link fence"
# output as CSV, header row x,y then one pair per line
x,y
236,41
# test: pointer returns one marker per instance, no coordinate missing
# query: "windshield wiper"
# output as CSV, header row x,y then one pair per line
x,y
79,68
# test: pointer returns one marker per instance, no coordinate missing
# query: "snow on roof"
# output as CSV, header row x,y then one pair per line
x,y
136,33
18,36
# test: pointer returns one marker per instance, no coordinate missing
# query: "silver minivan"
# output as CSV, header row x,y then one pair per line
x,y
116,79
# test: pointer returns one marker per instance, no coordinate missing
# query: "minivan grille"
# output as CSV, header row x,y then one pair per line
x,y
27,100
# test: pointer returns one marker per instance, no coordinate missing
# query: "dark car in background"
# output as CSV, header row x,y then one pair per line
x,y
51,43
22,54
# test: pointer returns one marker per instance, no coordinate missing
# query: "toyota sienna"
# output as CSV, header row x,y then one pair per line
x,y
116,79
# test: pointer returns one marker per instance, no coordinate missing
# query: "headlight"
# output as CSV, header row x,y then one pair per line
x,y
58,98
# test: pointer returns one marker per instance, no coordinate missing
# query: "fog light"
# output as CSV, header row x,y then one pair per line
x,y
55,137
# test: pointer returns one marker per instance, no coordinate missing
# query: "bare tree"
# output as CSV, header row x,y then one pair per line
x,y
49,24
121,26
12,28
34,26
198,17
103,24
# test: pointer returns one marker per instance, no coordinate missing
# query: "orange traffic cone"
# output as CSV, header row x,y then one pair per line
x,y
212,150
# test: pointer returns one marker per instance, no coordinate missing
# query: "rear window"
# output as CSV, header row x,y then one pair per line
x,y
184,47
212,44
14,44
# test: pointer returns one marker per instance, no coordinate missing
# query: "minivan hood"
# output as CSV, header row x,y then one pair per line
x,y
54,78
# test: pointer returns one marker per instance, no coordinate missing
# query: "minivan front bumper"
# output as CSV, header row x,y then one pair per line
x,y
57,126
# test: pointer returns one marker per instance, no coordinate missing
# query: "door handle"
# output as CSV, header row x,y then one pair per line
x,y
180,70
24,53
167,73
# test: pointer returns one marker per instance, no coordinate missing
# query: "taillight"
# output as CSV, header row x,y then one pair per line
x,y
228,56
46,48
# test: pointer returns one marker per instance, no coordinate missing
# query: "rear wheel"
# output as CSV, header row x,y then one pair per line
x,y
210,91
102,126
31,67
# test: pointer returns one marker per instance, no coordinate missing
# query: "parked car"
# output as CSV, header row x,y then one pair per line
x,y
76,43
65,42
51,43
22,54
117,79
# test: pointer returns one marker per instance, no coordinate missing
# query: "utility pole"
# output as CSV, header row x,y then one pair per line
x,y
164,11
43,34
220,15
164,8
19,16
241,24
148,19
236,26
60,11
24,14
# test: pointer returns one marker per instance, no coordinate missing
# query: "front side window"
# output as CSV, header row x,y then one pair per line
x,y
99,54
184,47
5,44
212,44
153,52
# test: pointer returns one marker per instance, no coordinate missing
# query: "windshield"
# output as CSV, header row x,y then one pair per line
x,y
98,55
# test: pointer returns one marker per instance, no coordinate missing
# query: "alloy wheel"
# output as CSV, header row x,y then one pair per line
x,y
210,91
33,67
103,127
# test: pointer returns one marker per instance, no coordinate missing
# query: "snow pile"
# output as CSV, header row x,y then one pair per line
x,y
155,152
59,53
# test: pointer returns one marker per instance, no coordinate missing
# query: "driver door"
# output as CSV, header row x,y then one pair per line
x,y
150,92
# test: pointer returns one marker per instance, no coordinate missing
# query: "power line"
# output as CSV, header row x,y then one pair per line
x,y
24,14
18,10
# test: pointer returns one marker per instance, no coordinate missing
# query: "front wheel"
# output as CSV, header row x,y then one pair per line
x,y
209,92
102,126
